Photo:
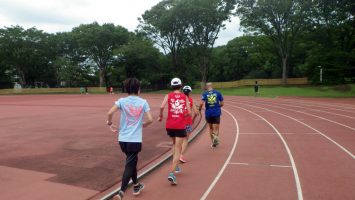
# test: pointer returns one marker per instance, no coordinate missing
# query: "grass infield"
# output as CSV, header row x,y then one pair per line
x,y
340,91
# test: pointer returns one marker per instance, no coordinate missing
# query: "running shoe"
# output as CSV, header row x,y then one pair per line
x,y
215,141
178,170
119,195
172,179
137,189
183,159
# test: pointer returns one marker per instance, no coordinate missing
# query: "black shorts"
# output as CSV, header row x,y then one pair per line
x,y
176,132
213,120
130,147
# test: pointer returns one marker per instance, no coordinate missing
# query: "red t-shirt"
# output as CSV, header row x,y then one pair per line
x,y
176,111
189,118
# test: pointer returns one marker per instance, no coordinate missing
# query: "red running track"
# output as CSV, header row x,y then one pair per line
x,y
271,149
284,148
59,147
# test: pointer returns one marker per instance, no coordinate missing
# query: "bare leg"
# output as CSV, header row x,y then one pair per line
x,y
184,144
211,130
176,153
216,129
173,147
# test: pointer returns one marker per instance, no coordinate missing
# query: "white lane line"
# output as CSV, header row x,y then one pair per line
x,y
317,110
293,164
319,104
260,165
209,189
281,166
237,163
281,133
319,132
303,104
338,123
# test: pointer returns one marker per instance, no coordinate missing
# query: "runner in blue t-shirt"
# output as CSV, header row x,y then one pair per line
x,y
213,101
132,109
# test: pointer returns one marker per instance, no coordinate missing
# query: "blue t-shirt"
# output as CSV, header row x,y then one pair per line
x,y
212,101
132,112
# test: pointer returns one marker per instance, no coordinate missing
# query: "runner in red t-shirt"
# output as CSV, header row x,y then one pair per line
x,y
189,122
178,110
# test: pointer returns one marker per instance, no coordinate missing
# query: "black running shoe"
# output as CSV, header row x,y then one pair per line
x,y
137,189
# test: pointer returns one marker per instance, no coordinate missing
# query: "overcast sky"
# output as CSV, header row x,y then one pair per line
x,y
62,15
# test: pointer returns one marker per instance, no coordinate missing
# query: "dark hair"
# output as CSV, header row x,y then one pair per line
x,y
186,92
132,85
176,87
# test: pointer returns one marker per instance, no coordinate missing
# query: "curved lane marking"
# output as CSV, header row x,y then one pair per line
x,y
347,106
338,123
317,110
307,125
293,164
209,189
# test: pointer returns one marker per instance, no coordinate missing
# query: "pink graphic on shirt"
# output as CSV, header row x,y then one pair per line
x,y
133,114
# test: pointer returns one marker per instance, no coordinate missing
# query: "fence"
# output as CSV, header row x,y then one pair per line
x,y
51,90
248,82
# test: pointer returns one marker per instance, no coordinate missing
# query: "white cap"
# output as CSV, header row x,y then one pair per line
x,y
175,82
187,88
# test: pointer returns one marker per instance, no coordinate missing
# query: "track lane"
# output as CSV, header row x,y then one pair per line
x,y
342,137
214,182
198,174
325,172
328,104
260,168
349,124
351,116
310,127
293,164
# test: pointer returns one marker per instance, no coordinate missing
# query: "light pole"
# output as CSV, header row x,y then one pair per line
x,y
320,74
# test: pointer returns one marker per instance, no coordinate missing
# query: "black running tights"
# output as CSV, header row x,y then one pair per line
x,y
130,171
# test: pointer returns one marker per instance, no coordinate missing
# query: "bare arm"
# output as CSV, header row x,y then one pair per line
x,y
110,114
165,101
201,105
195,111
188,107
221,103
149,119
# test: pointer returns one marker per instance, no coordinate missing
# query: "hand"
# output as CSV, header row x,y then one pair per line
x,y
109,123
160,118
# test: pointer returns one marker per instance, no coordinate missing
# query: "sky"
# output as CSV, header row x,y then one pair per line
x,y
62,15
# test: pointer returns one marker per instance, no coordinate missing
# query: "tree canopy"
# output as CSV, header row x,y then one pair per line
x,y
282,38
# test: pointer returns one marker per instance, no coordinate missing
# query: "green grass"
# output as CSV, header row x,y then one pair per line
x,y
265,91
302,91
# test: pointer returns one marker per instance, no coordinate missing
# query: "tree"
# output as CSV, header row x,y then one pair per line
x,y
280,20
97,42
244,57
331,40
206,19
138,56
166,24
28,52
